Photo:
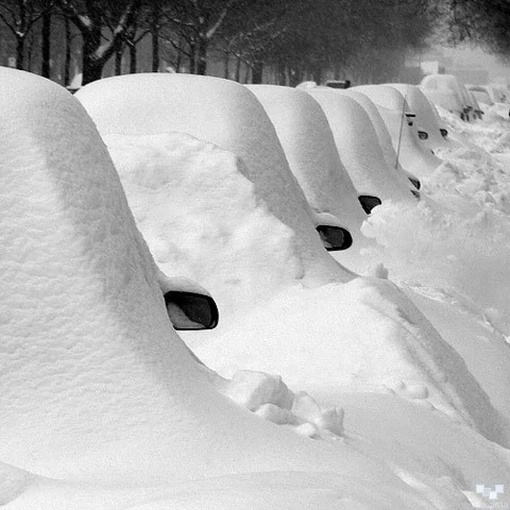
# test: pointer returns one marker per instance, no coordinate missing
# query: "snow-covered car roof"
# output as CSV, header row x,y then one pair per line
x,y
306,137
359,148
392,161
393,108
481,94
426,116
218,111
435,85
446,99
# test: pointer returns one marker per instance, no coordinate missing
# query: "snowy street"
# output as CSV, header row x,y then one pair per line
x,y
375,376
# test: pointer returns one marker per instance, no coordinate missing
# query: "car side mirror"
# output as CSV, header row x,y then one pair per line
x,y
190,310
334,238
368,202
415,182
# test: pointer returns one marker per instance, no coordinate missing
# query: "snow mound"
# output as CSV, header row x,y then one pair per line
x,y
269,397
465,250
364,336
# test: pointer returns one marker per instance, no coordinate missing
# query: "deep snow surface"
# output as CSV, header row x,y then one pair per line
x,y
103,407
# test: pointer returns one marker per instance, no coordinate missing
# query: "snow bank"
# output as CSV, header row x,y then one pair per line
x,y
218,111
452,253
306,137
364,336
359,148
289,317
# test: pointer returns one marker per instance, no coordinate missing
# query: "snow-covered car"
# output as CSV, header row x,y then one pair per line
x,y
491,99
309,145
400,121
222,122
360,151
204,206
448,92
481,94
430,131
384,137
337,84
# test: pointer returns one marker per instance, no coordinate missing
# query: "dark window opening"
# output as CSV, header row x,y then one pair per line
x,y
415,182
368,202
334,238
190,311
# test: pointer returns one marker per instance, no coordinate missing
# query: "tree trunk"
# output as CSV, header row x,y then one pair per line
x,y
192,58
92,66
155,50
202,57
92,71
154,29
257,72
226,65
46,45
238,70
132,58
178,60
317,74
67,59
20,51
294,77
118,61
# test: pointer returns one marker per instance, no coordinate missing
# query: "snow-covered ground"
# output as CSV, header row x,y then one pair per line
x,y
401,393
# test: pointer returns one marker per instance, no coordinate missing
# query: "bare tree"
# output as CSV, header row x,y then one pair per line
x,y
20,17
482,22
92,18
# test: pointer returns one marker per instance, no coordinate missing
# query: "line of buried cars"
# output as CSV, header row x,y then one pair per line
x,y
321,158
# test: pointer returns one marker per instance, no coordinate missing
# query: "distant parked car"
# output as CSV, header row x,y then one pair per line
x,y
401,122
360,151
481,93
448,92
392,159
337,84
491,99
427,119
309,145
